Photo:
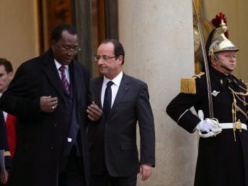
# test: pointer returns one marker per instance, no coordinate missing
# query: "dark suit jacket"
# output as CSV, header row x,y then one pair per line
x,y
4,145
113,140
39,135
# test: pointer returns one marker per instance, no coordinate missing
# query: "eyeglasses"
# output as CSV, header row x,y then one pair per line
x,y
68,49
104,57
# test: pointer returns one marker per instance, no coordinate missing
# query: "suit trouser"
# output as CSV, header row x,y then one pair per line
x,y
72,173
107,180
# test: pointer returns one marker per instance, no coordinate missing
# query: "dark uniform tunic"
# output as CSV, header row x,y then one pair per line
x,y
222,160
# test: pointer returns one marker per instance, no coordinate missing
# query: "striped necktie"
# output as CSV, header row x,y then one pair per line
x,y
64,81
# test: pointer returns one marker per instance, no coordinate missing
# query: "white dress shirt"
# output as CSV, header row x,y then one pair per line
x,y
114,87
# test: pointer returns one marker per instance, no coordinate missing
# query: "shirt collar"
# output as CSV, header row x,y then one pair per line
x,y
58,65
116,80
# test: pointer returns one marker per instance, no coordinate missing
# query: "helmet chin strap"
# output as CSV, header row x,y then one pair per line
x,y
221,64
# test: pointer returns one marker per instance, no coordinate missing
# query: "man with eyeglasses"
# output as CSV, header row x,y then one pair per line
x,y
125,103
49,96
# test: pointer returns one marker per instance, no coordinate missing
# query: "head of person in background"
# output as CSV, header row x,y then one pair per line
x,y
110,58
6,74
64,43
221,51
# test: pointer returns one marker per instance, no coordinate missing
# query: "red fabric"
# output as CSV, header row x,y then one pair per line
x,y
11,133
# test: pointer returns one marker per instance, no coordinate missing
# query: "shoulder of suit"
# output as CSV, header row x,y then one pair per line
x,y
188,85
133,79
97,79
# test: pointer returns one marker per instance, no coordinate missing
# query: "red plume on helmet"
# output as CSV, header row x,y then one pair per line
x,y
217,21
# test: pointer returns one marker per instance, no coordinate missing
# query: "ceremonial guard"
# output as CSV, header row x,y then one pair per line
x,y
221,105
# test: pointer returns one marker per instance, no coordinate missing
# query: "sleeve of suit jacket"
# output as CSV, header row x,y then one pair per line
x,y
146,126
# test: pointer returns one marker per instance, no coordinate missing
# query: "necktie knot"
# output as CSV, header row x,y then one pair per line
x,y
62,68
110,83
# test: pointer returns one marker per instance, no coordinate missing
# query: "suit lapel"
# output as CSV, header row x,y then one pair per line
x,y
123,89
52,74
77,81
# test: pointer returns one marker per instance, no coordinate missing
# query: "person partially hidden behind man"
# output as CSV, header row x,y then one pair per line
x,y
222,153
49,96
7,121
125,102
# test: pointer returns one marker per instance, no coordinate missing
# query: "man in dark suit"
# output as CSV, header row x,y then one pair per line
x,y
113,149
7,128
49,96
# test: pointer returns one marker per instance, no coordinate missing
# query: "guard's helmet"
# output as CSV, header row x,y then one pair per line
x,y
219,42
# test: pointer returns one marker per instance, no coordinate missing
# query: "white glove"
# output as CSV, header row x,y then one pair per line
x,y
209,127
205,126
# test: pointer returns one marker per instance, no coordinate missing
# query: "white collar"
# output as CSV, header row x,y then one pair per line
x,y
58,65
116,80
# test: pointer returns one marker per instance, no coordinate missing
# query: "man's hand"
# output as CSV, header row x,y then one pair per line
x,y
48,103
94,112
204,126
4,178
145,172
208,128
